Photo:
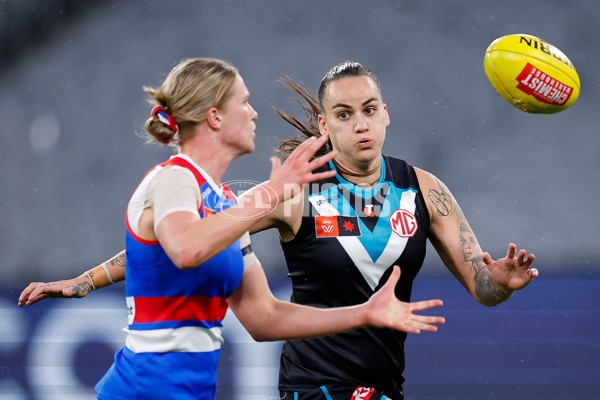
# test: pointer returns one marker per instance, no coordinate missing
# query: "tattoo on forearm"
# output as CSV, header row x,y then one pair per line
x,y
486,289
469,246
118,260
81,289
442,200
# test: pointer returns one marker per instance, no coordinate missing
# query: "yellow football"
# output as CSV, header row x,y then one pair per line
x,y
531,74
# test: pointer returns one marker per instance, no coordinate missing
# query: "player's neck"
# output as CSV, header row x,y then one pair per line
x,y
364,176
211,157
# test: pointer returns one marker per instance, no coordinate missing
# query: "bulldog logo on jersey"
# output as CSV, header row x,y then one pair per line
x,y
403,223
336,225
362,393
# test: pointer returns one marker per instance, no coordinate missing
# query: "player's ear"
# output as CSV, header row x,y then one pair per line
x,y
387,115
322,124
214,118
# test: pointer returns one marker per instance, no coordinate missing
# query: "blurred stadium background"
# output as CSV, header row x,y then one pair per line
x,y
71,102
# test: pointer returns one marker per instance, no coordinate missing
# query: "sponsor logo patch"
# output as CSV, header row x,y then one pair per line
x,y
362,393
336,225
368,210
403,223
543,87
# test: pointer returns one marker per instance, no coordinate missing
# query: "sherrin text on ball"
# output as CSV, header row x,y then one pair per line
x,y
531,74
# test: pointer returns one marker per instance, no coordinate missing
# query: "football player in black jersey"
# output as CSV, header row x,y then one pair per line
x,y
342,236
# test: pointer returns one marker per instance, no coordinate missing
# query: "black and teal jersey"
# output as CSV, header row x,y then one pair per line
x,y
344,251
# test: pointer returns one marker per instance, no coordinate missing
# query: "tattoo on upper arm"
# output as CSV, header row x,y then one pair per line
x,y
442,200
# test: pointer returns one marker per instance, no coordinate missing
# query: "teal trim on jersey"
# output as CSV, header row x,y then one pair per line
x,y
366,194
374,242
326,393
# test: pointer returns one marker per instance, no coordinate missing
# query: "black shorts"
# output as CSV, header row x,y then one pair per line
x,y
337,392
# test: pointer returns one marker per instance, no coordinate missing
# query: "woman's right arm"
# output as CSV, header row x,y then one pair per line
x,y
267,319
189,241
225,228
105,274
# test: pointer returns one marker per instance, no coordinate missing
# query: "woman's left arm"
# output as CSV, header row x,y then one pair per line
x,y
267,318
489,281
105,274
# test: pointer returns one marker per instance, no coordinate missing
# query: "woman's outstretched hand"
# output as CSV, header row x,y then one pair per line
x,y
514,271
37,291
287,178
385,310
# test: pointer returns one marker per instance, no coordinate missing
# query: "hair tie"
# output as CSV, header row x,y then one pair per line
x,y
165,118
169,122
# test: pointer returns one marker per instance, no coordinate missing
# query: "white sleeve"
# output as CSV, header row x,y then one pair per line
x,y
249,257
173,189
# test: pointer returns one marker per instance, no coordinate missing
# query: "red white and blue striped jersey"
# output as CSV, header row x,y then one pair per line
x,y
175,316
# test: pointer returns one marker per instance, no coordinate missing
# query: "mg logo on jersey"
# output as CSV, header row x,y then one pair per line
x,y
403,223
362,393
